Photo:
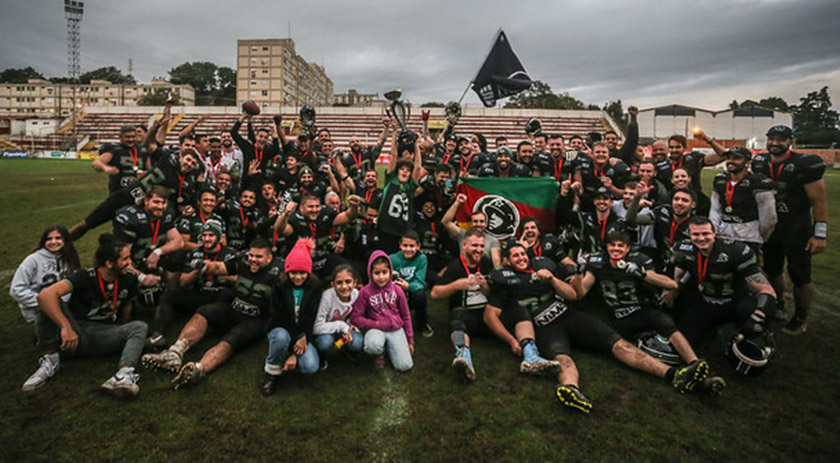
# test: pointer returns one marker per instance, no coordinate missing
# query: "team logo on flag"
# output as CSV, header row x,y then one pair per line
x,y
502,215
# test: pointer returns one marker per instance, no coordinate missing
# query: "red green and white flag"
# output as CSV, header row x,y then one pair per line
x,y
505,201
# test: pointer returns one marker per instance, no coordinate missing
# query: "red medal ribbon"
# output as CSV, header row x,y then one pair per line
x,y
242,216
558,169
133,153
104,294
730,191
701,268
312,230
155,229
774,174
180,184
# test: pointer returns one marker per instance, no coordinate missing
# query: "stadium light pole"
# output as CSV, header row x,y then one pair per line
x,y
73,11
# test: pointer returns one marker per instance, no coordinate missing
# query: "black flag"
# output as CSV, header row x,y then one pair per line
x,y
501,75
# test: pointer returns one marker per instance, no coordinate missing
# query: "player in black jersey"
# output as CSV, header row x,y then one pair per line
x,y
437,186
732,288
170,172
464,283
94,321
195,289
590,227
534,295
627,151
366,188
525,156
243,219
360,159
503,167
800,189
256,155
598,171
540,244
123,162
670,221
555,164
190,226
242,321
743,206
621,276
431,232
692,162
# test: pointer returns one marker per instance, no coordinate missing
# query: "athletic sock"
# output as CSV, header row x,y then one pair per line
x,y
669,375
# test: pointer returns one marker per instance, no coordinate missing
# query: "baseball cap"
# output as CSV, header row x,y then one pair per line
x,y
780,130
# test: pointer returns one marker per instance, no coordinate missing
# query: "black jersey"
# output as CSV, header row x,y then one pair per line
x,y
253,290
430,231
367,242
430,161
549,246
668,230
242,224
94,299
130,160
591,178
515,169
471,299
737,200
192,224
209,283
372,196
560,168
591,231
320,230
622,292
286,179
166,172
250,152
512,290
396,213
134,226
442,196
788,176
722,273
692,162
298,191
357,164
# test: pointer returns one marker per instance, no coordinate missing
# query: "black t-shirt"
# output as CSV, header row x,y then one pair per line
x,y
319,230
357,164
548,246
621,292
193,224
372,196
744,207
722,274
209,283
430,231
133,225
469,299
87,302
442,196
165,172
129,160
512,290
253,290
668,230
789,176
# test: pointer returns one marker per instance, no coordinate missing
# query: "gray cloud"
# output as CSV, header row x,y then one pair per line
x,y
645,52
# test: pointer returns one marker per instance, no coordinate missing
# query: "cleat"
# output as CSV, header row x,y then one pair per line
x,y
571,397
689,376
713,385
46,370
155,343
795,327
540,367
270,383
190,373
463,367
122,385
168,360
427,331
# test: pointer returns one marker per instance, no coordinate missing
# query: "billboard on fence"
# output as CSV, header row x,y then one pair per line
x,y
15,154
88,155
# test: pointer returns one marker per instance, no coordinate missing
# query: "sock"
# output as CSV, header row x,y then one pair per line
x,y
529,350
467,356
669,375
180,346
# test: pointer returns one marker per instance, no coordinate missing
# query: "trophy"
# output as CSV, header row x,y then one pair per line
x,y
533,127
398,110
453,112
307,120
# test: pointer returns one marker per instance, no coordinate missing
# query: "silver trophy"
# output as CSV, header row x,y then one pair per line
x,y
453,112
307,120
399,110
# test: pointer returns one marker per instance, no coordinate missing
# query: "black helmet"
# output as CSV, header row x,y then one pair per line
x,y
533,126
658,347
750,353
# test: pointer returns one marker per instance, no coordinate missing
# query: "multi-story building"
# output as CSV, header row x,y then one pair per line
x,y
42,97
354,98
271,73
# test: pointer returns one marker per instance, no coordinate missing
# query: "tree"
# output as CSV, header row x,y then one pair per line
x,y
225,94
432,104
110,73
213,85
814,122
157,98
616,111
541,96
19,76
774,102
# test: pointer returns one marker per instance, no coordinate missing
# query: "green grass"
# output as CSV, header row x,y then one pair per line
x,y
353,412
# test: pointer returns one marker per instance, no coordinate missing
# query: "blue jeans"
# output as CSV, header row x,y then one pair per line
x,y
376,341
324,342
279,342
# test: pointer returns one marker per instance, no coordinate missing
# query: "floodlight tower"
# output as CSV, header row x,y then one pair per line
x,y
73,12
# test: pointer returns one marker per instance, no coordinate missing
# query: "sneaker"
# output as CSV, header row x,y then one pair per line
x,y
689,376
795,327
122,385
324,365
190,373
571,397
427,331
168,360
713,385
270,383
379,361
540,367
463,367
46,370
155,343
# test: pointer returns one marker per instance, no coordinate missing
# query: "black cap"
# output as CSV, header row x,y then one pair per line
x,y
780,130
739,151
603,191
303,135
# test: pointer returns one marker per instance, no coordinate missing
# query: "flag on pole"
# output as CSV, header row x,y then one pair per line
x,y
501,75
505,201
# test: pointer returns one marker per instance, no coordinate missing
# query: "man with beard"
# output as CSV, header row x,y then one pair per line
x,y
232,156
555,163
800,189
503,167
597,172
659,151
190,227
306,186
366,188
224,189
478,222
670,221
217,162
692,162
438,188
539,244
123,162
243,219
743,206
525,157
241,321
359,159
591,226
256,155
539,143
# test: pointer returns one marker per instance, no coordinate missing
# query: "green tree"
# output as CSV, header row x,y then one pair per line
x,y
225,93
734,104
815,123
213,85
109,73
19,76
616,111
774,102
541,96
157,98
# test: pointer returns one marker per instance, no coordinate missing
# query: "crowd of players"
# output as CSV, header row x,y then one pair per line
x,y
264,234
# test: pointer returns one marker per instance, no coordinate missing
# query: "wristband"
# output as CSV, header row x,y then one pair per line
x,y
820,230
141,278
158,252
345,178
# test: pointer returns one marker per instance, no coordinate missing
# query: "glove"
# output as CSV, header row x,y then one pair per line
x,y
633,269
754,324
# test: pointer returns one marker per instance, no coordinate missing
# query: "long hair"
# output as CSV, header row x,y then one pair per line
x,y
68,255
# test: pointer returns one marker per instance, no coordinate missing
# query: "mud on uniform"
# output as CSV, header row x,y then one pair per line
x,y
466,308
557,325
243,319
793,229
128,159
633,309
724,296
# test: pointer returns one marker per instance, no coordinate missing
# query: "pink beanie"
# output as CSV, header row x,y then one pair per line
x,y
300,257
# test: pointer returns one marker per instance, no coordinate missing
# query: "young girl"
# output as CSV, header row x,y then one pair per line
x,y
333,320
294,304
53,259
382,309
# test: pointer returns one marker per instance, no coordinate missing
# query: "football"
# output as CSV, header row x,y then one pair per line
x,y
250,107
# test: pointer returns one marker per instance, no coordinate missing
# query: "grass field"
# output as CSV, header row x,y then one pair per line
x,y
353,412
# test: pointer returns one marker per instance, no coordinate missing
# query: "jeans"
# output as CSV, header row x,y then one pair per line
x,y
279,342
95,338
397,344
417,303
324,342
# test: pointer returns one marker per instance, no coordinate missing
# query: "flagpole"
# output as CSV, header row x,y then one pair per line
x,y
465,92
495,38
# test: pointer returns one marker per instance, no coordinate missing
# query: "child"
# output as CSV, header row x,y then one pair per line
x,y
332,321
410,272
294,304
382,310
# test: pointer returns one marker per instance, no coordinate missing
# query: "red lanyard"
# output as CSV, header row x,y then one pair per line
x,y
730,192
312,230
274,240
215,166
258,154
180,184
775,174
332,233
558,169
469,160
357,160
677,166
603,227
133,153
447,158
216,257
701,267
433,229
242,216
466,267
201,216
598,173
155,230
104,294
674,226
368,195
538,249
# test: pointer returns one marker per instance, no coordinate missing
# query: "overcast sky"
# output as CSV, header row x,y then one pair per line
x,y
704,53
